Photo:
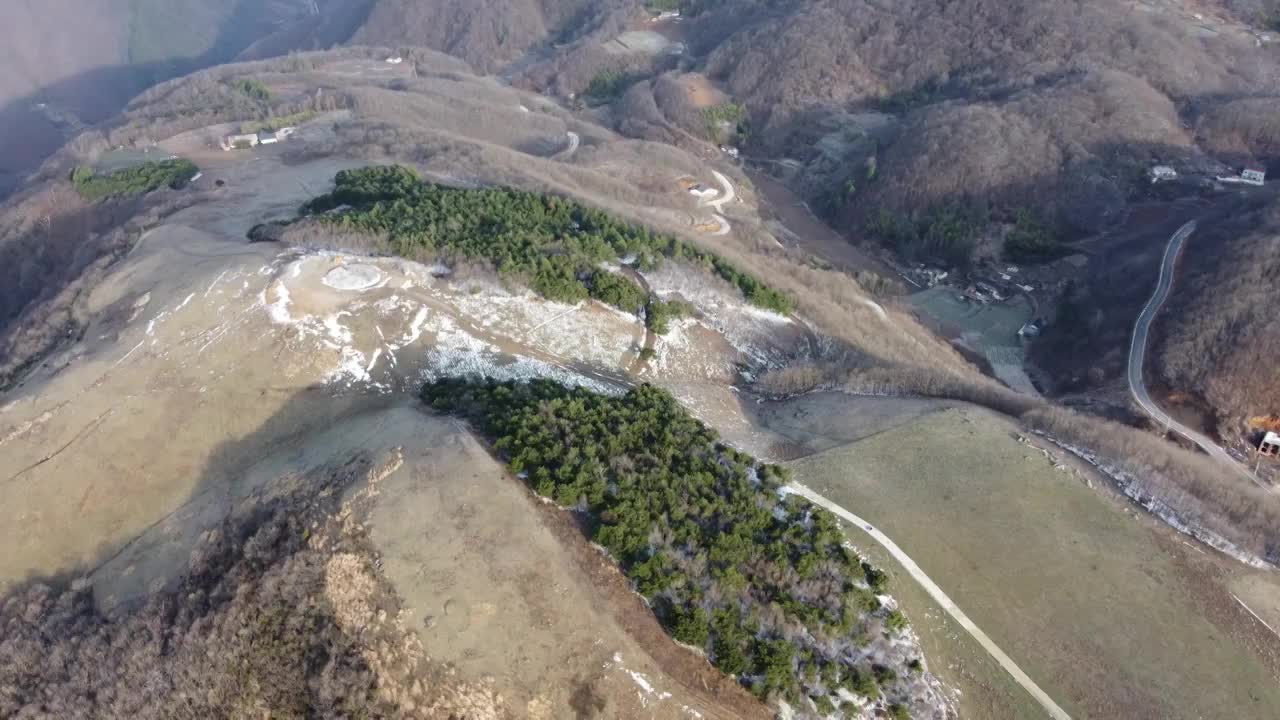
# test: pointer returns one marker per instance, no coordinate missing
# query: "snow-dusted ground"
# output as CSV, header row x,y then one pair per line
x,y
761,338
357,276
385,325
1133,488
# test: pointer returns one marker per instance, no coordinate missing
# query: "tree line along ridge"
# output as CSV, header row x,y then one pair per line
x,y
138,180
758,579
551,243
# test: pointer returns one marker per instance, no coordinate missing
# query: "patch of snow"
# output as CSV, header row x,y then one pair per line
x,y
337,331
355,277
641,680
278,310
455,363
751,330
415,328
351,368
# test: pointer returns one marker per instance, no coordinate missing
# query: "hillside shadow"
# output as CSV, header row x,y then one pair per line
x,y
244,474
30,134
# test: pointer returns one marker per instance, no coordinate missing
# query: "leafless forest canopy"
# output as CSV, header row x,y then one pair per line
x,y
1223,331
282,614
1059,106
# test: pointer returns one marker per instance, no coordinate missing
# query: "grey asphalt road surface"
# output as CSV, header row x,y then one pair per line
x,y
1138,354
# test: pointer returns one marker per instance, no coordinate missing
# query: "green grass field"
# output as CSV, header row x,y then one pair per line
x,y
1100,608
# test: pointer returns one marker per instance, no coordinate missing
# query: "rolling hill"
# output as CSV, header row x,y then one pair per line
x,y
70,64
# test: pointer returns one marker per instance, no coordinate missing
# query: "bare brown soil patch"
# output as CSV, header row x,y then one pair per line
x,y
702,92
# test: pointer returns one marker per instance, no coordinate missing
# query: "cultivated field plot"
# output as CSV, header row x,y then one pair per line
x,y
1106,610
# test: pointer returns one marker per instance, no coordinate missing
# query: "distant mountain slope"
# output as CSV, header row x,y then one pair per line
x,y
1057,105
1015,102
68,63
487,34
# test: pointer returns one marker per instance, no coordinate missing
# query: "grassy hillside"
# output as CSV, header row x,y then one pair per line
x,y
1104,611
759,580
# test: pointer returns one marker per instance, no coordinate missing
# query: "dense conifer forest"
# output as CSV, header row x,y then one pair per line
x,y
554,244
137,180
757,578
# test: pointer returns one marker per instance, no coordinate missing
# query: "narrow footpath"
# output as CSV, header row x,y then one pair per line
x,y
940,597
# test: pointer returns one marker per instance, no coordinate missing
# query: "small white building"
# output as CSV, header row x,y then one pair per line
x,y
1163,172
233,142
395,60
262,137
729,150
1253,176
1270,445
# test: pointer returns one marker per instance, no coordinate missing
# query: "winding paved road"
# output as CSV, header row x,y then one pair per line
x,y
939,597
1138,354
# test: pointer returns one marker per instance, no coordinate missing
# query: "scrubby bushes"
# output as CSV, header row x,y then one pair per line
x,y
1031,240
133,181
757,578
946,233
550,242
732,115
660,313
1201,491
276,122
252,89
609,84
